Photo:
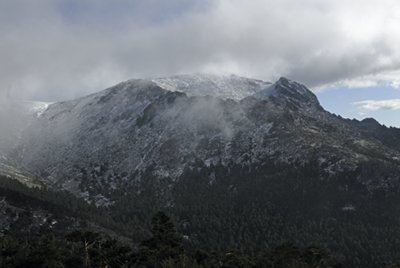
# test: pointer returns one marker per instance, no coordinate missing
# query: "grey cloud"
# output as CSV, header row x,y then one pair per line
x,y
55,50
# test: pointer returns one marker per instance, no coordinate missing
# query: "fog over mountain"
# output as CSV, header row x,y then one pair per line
x,y
200,133
209,149
172,121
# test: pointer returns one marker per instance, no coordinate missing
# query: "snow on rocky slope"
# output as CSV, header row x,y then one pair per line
x,y
168,123
25,178
225,87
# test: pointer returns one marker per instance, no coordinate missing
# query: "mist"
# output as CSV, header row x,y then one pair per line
x,y
15,117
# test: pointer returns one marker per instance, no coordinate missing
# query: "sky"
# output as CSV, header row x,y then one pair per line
x,y
347,52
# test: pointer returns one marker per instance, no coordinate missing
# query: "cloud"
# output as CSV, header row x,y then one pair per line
x,y
55,50
375,105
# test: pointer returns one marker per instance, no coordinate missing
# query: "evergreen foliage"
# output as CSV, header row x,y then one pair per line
x,y
227,215
165,249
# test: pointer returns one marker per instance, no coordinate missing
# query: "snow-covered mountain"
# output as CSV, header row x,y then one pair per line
x,y
170,123
237,162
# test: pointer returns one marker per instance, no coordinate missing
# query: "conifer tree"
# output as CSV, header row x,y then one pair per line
x,y
164,244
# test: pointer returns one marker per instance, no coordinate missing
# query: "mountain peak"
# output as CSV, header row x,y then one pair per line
x,y
370,123
290,87
283,79
284,91
370,120
290,93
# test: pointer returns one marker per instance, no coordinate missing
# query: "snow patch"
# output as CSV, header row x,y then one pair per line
x,y
349,207
225,87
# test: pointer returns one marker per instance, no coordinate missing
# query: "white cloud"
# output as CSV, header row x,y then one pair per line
x,y
375,105
50,50
384,79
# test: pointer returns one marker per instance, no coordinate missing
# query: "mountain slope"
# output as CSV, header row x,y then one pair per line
x,y
388,136
246,166
23,177
136,124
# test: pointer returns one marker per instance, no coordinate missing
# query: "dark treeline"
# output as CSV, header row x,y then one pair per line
x,y
224,213
254,208
164,248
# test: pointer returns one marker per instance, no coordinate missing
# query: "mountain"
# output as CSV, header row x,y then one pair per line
x,y
388,136
136,124
238,162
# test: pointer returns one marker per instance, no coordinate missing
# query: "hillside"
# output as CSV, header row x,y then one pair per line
x,y
238,163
